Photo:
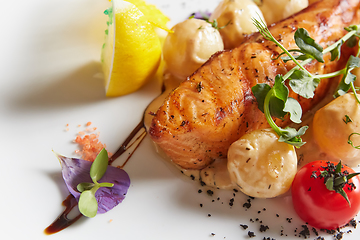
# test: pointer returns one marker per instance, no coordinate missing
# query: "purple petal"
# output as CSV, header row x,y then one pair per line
x,y
201,15
76,171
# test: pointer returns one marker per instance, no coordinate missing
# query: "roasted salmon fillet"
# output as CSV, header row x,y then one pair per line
x,y
214,106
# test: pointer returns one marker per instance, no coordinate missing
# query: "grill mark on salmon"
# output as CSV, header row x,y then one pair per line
x,y
214,106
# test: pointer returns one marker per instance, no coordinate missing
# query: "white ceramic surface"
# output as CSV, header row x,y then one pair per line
x,y
49,53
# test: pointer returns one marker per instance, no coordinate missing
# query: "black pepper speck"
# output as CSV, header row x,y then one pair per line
x,y
251,234
244,226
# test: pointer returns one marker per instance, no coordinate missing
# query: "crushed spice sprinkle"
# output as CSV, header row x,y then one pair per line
x,y
244,226
251,234
210,192
304,231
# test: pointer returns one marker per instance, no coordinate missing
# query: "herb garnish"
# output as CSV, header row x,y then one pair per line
x,y
94,197
88,205
274,101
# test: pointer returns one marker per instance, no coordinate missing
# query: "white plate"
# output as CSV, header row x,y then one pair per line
x,y
50,54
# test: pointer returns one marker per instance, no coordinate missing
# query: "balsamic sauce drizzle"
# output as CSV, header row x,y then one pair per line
x,y
125,146
62,221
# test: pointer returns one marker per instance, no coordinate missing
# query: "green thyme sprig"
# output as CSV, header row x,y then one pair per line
x,y
274,101
88,205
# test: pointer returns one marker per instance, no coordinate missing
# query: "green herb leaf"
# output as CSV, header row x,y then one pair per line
x,y
348,78
293,107
342,88
260,91
84,186
292,136
308,45
352,41
336,52
303,84
99,166
352,63
279,95
88,205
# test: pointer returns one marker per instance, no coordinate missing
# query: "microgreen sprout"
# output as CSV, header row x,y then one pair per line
x,y
274,101
277,103
88,204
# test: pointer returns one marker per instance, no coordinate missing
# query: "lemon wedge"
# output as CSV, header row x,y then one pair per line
x,y
131,53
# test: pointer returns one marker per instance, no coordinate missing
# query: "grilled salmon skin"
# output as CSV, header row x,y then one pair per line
x,y
214,106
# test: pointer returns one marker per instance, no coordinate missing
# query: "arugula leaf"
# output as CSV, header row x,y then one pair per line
x,y
303,84
308,45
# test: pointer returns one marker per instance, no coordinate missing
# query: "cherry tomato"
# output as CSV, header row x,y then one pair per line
x,y
316,204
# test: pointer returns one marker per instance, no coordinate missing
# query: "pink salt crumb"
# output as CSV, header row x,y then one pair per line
x,y
90,129
88,124
90,146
